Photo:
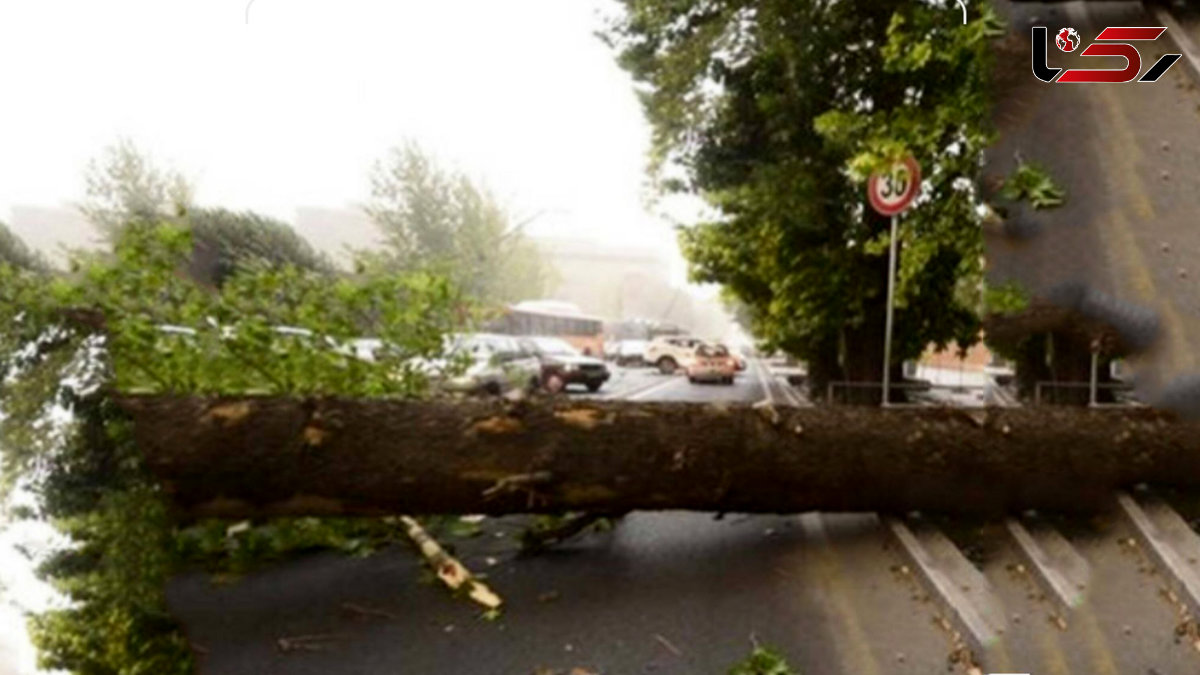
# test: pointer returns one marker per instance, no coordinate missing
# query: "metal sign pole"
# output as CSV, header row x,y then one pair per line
x,y
887,334
1095,376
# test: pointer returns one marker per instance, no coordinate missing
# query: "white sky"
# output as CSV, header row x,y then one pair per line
x,y
292,108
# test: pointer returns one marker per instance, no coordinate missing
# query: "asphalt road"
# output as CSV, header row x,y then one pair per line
x,y
647,384
681,593
662,593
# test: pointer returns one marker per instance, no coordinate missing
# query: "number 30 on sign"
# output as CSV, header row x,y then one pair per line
x,y
892,190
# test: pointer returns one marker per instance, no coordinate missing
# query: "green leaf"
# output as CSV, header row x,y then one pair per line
x,y
762,661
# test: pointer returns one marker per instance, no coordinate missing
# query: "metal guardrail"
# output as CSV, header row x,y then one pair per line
x,y
851,384
1043,385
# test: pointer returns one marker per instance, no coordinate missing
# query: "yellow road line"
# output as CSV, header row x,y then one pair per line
x,y
852,643
1120,243
1054,662
1102,658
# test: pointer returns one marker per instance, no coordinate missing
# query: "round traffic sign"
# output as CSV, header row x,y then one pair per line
x,y
892,190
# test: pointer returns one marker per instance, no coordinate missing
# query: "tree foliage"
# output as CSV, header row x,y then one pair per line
x,y
1031,182
124,185
16,253
226,241
762,661
132,320
775,112
432,216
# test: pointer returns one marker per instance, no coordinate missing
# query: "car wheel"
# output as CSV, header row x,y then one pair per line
x,y
594,386
667,365
492,389
691,379
554,383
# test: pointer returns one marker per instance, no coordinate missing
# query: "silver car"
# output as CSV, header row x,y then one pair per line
x,y
497,363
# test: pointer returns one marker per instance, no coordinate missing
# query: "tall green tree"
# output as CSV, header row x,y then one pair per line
x,y
775,112
126,186
227,241
16,253
20,269
435,217
123,185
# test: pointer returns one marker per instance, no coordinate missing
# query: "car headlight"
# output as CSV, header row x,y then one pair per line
x,y
462,382
570,368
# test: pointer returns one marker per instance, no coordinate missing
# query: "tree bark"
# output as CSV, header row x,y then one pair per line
x,y
245,457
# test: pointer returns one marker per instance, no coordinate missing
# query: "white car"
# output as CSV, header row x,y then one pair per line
x,y
497,363
671,352
630,352
494,363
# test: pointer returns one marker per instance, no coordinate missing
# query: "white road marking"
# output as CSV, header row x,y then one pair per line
x,y
762,382
1170,542
957,586
790,394
766,378
649,390
1053,562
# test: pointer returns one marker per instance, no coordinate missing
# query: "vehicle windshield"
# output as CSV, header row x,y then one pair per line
x,y
551,346
471,344
711,350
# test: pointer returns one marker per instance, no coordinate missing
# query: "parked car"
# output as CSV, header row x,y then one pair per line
x,y
562,364
630,352
497,363
737,357
712,363
670,352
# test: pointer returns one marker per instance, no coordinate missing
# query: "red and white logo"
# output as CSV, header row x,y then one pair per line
x,y
1067,40
1112,41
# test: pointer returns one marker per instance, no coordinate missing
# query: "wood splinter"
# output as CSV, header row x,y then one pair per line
x,y
452,573
521,481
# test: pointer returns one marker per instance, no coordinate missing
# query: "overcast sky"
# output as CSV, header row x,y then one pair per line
x,y
291,108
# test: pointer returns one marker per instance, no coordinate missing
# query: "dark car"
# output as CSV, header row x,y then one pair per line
x,y
562,364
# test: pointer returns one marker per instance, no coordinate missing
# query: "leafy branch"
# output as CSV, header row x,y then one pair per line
x,y
1030,181
762,661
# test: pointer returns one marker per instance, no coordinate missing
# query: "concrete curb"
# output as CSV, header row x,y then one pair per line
x,y
961,591
1191,54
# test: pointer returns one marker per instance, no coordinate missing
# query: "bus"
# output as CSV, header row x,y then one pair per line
x,y
555,318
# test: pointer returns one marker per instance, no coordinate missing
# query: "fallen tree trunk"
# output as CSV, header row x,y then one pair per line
x,y
242,457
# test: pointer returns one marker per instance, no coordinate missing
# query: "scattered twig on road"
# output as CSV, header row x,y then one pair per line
x,y
364,612
309,643
667,643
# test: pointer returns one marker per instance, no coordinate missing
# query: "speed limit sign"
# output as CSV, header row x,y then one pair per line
x,y
892,190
